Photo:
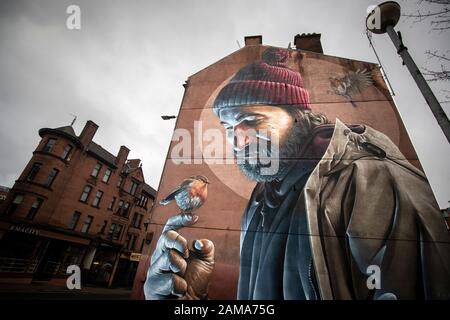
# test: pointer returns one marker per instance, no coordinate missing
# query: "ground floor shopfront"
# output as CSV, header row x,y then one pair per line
x,y
36,254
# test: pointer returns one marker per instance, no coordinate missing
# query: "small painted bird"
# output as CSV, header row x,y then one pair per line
x,y
189,195
350,84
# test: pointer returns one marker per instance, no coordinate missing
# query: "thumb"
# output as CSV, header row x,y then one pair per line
x,y
204,249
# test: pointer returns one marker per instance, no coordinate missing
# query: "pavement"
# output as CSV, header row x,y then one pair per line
x,y
43,291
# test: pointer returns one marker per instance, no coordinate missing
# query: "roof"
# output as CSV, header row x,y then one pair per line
x,y
133,163
99,152
66,132
69,130
149,190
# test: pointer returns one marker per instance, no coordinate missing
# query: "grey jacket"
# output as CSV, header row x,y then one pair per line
x,y
315,234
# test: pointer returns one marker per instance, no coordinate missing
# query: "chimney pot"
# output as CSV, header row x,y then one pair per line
x,y
89,130
308,42
122,156
253,40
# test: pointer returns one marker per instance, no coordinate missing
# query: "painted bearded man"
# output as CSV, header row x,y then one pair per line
x,y
343,203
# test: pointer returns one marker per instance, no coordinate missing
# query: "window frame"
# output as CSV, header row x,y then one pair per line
x,y
51,177
112,203
88,193
13,205
133,187
73,224
33,171
97,199
115,231
89,224
108,170
65,154
49,147
34,210
126,209
99,165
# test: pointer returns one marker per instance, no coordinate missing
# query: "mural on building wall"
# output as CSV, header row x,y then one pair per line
x,y
336,210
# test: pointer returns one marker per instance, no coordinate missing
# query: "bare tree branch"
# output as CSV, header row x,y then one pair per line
x,y
437,12
437,55
440,17
433,75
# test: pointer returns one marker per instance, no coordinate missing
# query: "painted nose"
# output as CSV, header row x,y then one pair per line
x,y
242,137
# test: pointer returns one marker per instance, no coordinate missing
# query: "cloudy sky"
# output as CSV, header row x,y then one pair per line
x,y
126,66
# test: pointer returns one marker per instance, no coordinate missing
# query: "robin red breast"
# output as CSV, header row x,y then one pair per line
x,y
190,194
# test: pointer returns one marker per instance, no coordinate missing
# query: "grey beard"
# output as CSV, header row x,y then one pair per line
x,y
253,171
288,155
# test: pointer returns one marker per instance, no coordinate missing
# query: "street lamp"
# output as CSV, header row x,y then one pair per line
x,y
168,117
383,19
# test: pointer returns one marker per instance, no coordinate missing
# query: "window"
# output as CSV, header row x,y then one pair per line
x,y
102,230
51,177
111,204
142,245
49,145
133,187
127,242
119,183
66,152
112,229
85,195
125,210
34,171
15,203
133,221
118,233
143,199
115,231
87,224
75,218
96,170
98,197
34,208
120,206
131,241
107,175
137,219
144,203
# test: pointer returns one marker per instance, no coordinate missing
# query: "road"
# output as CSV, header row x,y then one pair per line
x,y
47,292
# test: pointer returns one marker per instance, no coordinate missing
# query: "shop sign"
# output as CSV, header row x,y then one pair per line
x,y
24,229
134,256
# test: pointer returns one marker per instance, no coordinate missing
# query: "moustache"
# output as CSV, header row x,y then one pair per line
x,y
255,150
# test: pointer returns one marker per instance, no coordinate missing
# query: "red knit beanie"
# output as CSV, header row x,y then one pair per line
x,y
268,81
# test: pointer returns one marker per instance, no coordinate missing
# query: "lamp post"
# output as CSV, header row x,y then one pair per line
x,y
383,20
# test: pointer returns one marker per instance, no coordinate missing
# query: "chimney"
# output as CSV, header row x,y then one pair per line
x,y
88,133
122,156
308,42
253,40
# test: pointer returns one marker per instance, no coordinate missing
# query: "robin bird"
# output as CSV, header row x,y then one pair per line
x,y
189,195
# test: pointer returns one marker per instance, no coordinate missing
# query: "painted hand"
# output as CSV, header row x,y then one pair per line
x,y
175,271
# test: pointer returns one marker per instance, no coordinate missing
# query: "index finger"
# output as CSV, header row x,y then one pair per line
x,y
179,221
